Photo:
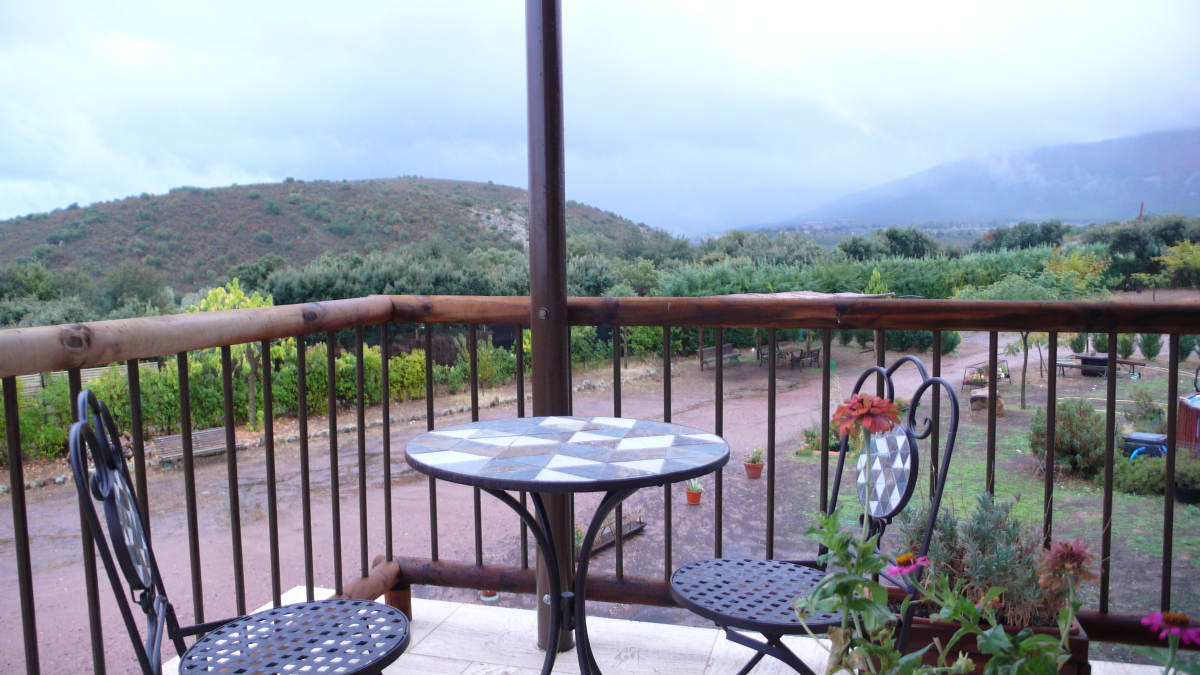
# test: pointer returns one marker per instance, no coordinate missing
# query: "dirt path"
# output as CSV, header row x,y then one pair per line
x,y
54,520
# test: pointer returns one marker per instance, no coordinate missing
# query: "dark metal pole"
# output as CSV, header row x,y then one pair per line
x,y
548,260
16,482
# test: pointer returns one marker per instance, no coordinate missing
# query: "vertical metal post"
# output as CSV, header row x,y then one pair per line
x,y
473,360
1110,430
548,258
360,422
92,587
231,471
993,392
772,354
16,483
668,524
386,419
133,375
519,351
335,498
269,452
433,524
826,360
719,429
616,364
1051,421
305,479
880,359
936,416
189,485
1168,553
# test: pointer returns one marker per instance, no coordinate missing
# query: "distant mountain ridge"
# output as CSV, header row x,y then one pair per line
x,y
1078,182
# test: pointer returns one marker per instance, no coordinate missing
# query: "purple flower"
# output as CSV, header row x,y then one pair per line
x,y
1172,623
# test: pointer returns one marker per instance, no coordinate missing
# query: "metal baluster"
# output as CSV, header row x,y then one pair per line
x,y
771,356
1110,430
231,469
936,415
361,422
993,386
880,359
619,514
95,620
1168,553
826,359
16,484
668,529
269,451
189,485
1051,423
305,480
524,537
335,506
133,375
473,358
433,525
718,429
519,351
386,418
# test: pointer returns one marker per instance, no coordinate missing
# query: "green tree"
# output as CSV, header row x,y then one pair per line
x,y
1182,262
231,296
875,285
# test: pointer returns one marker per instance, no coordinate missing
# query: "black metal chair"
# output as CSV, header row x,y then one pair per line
x,y
748,595
343,636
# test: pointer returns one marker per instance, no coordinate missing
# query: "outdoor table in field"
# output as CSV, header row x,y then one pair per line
x,y
549,455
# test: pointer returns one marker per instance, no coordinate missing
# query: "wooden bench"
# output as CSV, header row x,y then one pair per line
x,y
798,357
708,355
204,442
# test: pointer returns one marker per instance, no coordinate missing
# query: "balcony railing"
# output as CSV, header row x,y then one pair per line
x,y
71,348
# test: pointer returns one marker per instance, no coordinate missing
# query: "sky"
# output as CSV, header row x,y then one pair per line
x,y
694,116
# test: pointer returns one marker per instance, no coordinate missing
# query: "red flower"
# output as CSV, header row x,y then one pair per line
x,y
866,411
1172,623
1066,559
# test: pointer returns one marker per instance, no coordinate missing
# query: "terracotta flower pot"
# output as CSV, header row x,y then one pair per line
x,y
694,497
753,470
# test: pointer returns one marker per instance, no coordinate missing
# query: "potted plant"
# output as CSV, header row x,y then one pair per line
x,y
754,463
990,549
694,491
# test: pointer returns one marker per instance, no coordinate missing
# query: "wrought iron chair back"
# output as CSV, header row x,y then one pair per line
x,y
120,538
888,471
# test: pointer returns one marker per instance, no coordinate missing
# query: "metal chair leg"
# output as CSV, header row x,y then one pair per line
x,y
772,647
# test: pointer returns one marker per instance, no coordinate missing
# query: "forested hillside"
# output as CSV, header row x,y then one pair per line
x,y
194,235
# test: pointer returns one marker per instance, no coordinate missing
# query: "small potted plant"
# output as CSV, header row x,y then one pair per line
x,y
754,463
694,490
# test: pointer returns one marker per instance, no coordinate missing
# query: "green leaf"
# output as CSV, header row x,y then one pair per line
x,y
994,641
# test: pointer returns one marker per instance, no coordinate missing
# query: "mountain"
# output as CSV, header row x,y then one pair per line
x,y
193,235
1078,182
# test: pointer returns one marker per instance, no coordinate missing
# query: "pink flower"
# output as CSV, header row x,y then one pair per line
x,y
907,563
1172,623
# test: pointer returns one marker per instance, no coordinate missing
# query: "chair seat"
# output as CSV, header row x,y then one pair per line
x,y
328,636
750,594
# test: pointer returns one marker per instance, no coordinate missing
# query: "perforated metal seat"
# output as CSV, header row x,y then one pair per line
x,y
336,637
758,595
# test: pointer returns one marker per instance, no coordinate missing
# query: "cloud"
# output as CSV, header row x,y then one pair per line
x,y
692,116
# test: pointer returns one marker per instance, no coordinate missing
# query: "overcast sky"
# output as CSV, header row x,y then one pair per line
x,y
693,116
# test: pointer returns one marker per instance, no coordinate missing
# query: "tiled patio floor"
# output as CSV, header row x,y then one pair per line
x,y
451,638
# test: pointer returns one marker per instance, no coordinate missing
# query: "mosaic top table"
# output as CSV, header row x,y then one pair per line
x,y
542,455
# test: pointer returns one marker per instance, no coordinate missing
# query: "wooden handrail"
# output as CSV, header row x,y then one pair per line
x,y
26,351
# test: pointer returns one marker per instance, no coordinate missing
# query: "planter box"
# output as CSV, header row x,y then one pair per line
x,y
925,630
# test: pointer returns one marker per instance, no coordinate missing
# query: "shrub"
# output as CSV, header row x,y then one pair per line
x,y
1141,476
1125,345
253,194
1078,343
1100,342
264,237
295,198
272,207
153,261
1146,414
1078,439
1187,344
406,375
951,339
1150,345
909,340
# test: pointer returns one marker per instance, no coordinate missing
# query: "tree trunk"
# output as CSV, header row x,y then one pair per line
x,y
1024,366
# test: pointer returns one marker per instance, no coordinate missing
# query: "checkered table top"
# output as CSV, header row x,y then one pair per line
x,y
566,454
